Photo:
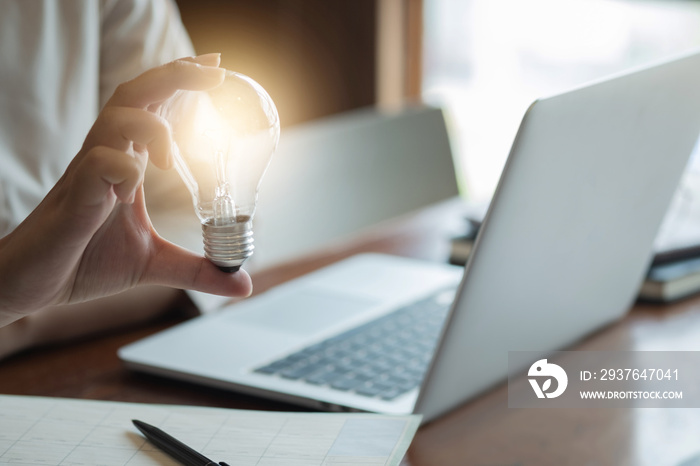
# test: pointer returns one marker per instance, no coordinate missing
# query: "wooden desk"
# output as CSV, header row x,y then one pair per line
x,y
483,432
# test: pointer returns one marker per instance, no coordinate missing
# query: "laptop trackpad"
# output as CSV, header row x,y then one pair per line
x,y
304,311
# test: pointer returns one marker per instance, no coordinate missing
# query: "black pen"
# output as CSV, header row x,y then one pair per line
x,y
174,447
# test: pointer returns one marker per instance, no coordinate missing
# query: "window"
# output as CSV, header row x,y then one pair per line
x,y
485,61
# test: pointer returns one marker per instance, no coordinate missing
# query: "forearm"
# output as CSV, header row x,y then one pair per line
x,y
61,323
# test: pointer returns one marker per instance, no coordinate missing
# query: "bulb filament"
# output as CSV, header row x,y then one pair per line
x,y
224,209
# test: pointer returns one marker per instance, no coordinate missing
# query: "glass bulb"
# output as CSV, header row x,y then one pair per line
x,y
224,139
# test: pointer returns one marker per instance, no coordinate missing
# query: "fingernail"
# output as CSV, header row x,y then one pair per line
x,y
214,72
208,55
212,59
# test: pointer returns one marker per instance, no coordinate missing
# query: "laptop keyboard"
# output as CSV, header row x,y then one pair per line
x,y
383,358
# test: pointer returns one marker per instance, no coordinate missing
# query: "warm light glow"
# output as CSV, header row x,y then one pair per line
x,y
224,140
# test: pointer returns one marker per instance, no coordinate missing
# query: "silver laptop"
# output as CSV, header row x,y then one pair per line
x,y
562,251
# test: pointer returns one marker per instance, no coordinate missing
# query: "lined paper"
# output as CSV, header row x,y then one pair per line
x,y
59,431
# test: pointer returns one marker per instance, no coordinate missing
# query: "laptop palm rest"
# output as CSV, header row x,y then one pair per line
x,y
306,311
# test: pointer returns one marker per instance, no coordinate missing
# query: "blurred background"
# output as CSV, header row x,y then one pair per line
x,y
483,61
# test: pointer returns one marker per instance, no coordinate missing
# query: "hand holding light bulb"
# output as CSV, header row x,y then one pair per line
x,y
224,140
91,235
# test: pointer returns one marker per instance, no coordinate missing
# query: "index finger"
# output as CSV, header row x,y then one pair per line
x,y
160,83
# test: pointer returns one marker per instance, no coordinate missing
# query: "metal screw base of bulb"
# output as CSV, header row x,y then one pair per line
x,y
228,246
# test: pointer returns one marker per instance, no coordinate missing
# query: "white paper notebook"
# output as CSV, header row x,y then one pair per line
x,y
58,431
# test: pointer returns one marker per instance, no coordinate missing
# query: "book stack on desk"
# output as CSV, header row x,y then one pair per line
x,y
461,246
674,274
675,271
671,281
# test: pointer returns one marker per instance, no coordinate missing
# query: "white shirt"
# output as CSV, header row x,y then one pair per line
x,y
60,61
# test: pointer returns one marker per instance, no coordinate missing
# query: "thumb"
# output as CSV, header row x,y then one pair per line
x,y
179,268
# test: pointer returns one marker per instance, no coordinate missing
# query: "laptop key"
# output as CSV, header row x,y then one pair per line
x,y
273,368
294,374
390,394
318,379
322,377
346,383
368,389
266,370
299,371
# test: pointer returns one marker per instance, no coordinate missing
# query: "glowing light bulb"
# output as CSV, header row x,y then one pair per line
x,y
224,139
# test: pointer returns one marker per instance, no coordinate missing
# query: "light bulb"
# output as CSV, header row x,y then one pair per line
x,y
223,140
